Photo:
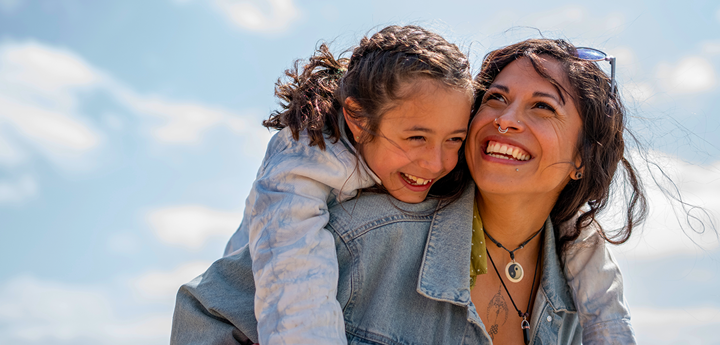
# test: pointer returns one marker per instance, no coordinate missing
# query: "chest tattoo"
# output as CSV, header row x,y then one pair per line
x,y
497,313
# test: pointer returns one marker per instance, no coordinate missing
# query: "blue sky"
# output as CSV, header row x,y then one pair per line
x,y
130,134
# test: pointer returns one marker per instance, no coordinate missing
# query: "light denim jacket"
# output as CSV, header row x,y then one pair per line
x,y
294,260
403,279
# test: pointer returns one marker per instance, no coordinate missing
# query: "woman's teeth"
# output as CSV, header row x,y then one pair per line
x,y
414,180
505,151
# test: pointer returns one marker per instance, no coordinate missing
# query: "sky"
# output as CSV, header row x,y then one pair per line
x,y
130,133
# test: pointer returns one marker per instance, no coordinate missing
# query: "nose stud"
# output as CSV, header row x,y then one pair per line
x,y
502,131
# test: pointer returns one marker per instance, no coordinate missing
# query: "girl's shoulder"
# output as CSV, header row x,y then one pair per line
x,y
284,142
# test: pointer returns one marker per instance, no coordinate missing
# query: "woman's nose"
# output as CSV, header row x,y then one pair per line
x,y
509,121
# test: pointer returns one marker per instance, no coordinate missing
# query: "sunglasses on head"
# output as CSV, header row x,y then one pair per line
x,y
592,54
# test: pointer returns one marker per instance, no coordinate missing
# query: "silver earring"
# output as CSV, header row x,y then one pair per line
x,y
578,175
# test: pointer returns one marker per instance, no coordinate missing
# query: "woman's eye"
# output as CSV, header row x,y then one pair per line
x,y
417,137
544,106
457,139
493,97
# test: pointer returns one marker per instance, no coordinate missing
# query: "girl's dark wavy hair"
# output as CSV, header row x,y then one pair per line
x,y
313,95
601,145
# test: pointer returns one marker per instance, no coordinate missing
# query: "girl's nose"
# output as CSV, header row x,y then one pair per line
x,y
432,160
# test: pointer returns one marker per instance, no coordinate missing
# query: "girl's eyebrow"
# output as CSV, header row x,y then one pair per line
x,y
431,131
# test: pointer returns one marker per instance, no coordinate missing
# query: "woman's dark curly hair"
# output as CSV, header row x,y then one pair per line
x,y
601,145
372,77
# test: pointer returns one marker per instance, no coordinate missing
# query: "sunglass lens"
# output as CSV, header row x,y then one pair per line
x,y
590,54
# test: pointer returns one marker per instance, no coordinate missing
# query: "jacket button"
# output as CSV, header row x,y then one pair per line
x,y
549,318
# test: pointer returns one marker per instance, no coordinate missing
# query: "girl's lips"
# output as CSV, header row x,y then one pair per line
x,y
413,185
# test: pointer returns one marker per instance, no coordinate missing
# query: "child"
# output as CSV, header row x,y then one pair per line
x,y
393,115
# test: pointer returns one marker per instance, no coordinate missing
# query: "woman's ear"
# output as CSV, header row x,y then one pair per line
x,y
356,126
579,172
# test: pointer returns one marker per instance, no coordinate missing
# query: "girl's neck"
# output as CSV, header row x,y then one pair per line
x,y
512,219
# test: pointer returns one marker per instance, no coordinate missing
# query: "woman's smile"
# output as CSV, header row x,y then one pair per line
x,y
506,151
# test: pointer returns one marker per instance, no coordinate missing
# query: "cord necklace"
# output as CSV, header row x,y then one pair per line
x,y
513,271
524,324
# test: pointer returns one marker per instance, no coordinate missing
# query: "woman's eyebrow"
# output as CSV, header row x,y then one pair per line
x,y
544,94
499,86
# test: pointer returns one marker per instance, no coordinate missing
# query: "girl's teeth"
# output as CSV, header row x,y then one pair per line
x,y
416,180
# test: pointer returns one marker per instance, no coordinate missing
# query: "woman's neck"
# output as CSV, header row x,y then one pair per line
x,y
512,219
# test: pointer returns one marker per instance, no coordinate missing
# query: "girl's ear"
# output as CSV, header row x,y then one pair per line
x,y
356,126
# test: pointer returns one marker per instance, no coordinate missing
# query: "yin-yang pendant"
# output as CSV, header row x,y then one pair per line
x,y
514,272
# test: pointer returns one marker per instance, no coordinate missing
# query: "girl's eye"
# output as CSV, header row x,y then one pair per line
x,y
417,137
457,139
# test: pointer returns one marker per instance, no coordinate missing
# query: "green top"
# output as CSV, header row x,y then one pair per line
x,y
478,257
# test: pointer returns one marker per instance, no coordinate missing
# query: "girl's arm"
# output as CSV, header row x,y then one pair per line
x,y
597,287
294,262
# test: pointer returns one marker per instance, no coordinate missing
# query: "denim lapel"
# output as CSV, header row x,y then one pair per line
x,y
553,282
445,270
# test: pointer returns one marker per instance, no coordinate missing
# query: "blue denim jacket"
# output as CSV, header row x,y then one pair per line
x,y
403,279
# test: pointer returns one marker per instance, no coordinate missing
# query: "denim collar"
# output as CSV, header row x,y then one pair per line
x,y
444,271
553,282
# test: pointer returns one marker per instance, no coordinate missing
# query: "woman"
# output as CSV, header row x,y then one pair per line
x,y
545,141
404,268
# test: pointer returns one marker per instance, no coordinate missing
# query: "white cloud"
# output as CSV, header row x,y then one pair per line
x,y
662,234
259,15
164,285
42,92
692,74
675,326
191,225
34,311
49,128
39,96
17,191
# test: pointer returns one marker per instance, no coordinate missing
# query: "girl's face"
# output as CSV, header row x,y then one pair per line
x,y
538,154
418,140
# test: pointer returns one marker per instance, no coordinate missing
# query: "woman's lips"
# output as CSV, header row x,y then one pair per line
x,y
506,151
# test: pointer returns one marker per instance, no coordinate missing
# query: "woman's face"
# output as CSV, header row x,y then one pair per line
x,y
537,155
